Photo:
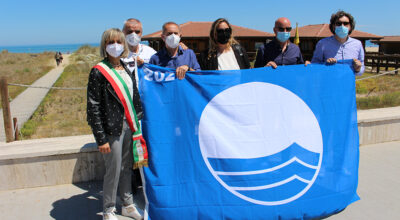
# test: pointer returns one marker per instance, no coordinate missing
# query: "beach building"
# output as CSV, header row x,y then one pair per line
x,y
196,36
311,34
389,44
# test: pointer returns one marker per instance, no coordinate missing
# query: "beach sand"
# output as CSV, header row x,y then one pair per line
x,y
372,49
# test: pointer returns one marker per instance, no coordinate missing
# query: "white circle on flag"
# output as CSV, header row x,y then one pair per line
x,y
254,124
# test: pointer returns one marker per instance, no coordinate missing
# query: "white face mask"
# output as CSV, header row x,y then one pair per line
x,y
115,50
172,41
133,39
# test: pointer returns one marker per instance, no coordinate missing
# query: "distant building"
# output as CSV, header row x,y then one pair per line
x,y
196,36
389,44
311,34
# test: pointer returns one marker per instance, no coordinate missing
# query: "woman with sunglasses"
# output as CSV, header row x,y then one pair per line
x,y
113,111
340,46
224,52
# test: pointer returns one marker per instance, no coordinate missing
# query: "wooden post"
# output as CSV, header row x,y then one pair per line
x,y
6,110
378,65
397,65
16,130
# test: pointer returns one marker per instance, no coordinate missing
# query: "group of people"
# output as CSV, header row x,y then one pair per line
x,y
123,52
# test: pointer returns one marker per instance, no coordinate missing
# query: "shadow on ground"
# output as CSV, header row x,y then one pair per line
x,y
83,206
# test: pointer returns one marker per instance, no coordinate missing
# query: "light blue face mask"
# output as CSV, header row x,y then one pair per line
x,y
283,36
341,31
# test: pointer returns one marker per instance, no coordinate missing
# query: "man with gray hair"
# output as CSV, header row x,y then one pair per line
x,y
138,53
173,55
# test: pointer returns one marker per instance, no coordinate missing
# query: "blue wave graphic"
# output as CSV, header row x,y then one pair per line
x,y
268,162
272,178
269,177
277,193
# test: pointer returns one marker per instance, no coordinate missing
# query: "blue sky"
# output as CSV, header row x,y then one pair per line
x,y
57,22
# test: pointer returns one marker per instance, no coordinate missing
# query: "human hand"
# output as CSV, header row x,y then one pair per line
x,y
184,47
357,65
307,62
272,63
105,148
331,60
139,61
181,71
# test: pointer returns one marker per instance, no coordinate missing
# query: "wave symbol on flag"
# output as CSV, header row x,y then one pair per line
x,y
261,142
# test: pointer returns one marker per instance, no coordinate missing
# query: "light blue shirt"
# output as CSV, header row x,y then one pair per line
x,y
331,48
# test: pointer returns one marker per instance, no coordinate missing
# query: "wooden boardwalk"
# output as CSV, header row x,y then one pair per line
x,y
26,103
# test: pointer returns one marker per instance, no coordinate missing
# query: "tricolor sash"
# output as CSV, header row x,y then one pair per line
x,y
140,154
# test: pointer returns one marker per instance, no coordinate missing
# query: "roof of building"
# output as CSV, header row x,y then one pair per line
x,y
322,31
202,29
388,39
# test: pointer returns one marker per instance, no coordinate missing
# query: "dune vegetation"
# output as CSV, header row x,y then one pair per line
x,y
24,68
63,112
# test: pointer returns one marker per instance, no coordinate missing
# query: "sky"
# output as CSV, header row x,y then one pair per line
x,y
44,22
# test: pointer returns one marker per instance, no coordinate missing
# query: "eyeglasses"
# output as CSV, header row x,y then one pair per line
x,y
281,29
228,30
339,23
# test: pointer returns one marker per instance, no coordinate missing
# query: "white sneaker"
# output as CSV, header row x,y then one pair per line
x,y
110,215
131,211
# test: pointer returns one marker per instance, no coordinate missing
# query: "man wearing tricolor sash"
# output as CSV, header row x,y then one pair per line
x,y
114,111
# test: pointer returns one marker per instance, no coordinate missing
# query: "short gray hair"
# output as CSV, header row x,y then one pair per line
x,y
109,35
164,27
130,20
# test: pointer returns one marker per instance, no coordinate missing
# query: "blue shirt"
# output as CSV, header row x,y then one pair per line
x,y
331,48
273,52
183,57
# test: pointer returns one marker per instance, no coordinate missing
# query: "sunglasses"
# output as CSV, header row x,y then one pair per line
x,y
339,23
228,30
137,32
287,29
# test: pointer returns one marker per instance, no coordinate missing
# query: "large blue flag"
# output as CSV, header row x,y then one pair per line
x,y
250,144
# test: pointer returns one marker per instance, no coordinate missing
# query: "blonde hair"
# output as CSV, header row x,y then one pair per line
x,y
213,37
111,34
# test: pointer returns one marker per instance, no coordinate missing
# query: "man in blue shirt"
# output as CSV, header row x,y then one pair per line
x,y
172,55
280,51
340,46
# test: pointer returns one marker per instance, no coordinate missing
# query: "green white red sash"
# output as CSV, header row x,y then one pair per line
x,y
140,154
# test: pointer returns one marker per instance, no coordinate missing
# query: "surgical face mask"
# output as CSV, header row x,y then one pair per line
x,y
133,39
172,41
115,50
341,31
283,36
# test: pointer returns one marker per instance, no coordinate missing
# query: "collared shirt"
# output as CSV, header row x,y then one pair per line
x,y
331,48
145,52
272,51
183,57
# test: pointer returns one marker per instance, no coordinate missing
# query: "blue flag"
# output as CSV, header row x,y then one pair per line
x,y
250,144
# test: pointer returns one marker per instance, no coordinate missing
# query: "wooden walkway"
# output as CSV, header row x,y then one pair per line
x,y
26,103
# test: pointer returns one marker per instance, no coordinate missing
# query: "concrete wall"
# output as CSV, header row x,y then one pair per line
x,y
35,166
65,160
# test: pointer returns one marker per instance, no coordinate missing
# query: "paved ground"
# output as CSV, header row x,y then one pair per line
x,y
25,104
379,182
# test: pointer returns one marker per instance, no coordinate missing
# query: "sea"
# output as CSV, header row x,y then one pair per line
x,y
70,48
63,48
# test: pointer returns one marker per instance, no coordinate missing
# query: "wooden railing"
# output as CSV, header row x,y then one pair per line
x,y
378,61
